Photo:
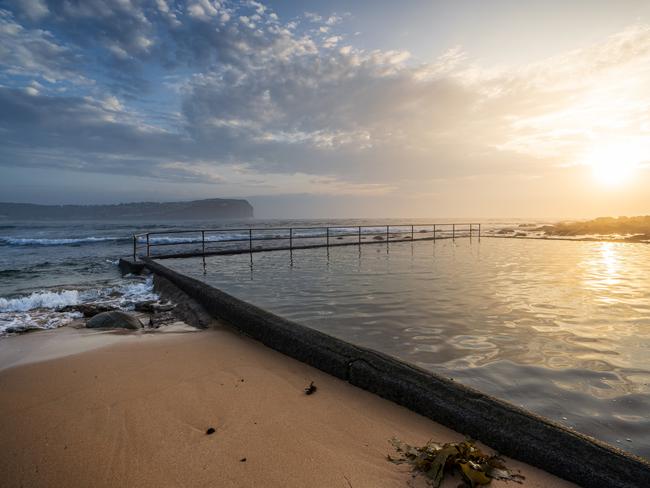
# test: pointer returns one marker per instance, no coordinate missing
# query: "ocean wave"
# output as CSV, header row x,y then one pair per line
x,y
47,299
29,241
43,309
120,295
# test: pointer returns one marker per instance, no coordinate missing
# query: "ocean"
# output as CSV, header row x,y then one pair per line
x,y
560,328
46,266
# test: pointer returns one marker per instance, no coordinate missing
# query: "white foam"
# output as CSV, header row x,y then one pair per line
x,y
136,292
21,321
41,309
26,241
48,299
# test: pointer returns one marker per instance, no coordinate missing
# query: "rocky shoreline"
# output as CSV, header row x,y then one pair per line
x,y
170,308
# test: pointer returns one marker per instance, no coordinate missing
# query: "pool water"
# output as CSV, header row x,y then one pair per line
x,y
560,328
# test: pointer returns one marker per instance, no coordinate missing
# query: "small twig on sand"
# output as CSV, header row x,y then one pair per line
x,y
348,480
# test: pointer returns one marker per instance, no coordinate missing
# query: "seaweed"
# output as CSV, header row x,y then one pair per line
x,y
310,389
434,461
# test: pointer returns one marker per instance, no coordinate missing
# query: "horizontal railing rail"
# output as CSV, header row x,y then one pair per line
x,y
231,239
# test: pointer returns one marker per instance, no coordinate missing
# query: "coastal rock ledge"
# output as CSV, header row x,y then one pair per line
x,y
114,320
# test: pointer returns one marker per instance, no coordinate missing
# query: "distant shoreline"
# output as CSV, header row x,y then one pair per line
x,y
214,208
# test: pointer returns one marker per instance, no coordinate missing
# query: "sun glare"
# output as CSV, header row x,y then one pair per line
x,y
613,164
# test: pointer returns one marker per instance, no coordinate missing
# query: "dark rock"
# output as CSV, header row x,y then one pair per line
x,y
89,309
185,308
163,307
21,329
162,318
152,306
210,431
145,307
378,238
242,460
114,320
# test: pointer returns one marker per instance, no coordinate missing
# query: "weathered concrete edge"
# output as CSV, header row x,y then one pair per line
x,y
510,430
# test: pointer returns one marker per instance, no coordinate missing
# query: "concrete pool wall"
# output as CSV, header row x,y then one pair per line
x,y
508,429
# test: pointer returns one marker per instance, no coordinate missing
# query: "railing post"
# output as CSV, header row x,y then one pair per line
x,y
434,232
250,241
291,238
135,247
387,234
412,233
203,242
453,232
479,232
147,244
328,236
359,235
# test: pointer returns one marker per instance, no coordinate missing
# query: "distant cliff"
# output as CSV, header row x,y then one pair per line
x,y
213,208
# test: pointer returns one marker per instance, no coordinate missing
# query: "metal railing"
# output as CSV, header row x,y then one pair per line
x,y
202,242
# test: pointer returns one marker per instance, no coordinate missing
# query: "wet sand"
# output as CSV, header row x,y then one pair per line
x,y
132,410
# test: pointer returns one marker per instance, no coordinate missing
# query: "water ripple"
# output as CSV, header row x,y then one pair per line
x,y
561,328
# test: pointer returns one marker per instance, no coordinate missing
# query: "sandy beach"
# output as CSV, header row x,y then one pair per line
x,y
132,409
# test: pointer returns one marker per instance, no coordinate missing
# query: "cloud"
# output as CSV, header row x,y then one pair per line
x,y
252,101
34,52
34,9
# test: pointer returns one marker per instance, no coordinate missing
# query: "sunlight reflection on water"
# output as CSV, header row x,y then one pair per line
x,y
561,328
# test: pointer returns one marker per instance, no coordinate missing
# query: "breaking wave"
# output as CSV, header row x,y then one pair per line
x,y
44,309
48,299
24,241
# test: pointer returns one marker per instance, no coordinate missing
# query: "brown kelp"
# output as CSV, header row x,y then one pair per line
x,y
434,461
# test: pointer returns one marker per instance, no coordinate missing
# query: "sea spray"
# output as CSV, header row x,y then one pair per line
x,y
43,309
46,299
31,241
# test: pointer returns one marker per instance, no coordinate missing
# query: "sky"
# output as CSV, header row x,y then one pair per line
x,y
377,108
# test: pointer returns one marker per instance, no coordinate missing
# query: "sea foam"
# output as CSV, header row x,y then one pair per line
x,y
30,241
42,309
47,299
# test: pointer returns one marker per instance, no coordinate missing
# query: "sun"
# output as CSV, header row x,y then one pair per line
x,y
613,164
611,173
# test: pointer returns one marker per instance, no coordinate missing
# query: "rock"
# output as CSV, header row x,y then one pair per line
x,y
114,320
21,329
163,307
210,431
378,238
146,307
162,318
88,309
153,307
